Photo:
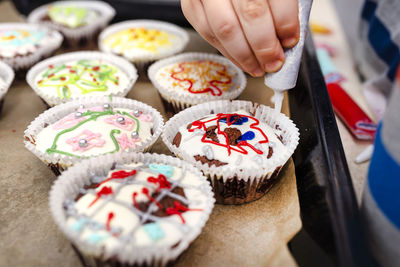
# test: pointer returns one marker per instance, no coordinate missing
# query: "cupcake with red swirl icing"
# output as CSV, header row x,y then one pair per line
x,y
131,209
240,146
89,127
22,44
79,21
193,78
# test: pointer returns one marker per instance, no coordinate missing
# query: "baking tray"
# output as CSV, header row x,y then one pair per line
x,y
332,233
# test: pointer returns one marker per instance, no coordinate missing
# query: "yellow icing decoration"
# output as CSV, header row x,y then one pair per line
x,y
139,38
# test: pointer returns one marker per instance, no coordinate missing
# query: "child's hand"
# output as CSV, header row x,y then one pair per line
x,y
251,33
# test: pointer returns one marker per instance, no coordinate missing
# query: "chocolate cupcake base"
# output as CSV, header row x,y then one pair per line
x,y
235,192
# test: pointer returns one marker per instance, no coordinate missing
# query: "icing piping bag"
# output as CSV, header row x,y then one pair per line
x,y
286,77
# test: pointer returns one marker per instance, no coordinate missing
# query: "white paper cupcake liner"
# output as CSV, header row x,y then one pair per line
x,y
105,11
7,76
290,137
24,62
122,64
180,99
67,187
59,162
140,60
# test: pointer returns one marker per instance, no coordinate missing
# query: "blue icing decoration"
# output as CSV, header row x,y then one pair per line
x,y
249,135
79,225
168,171
19,38
154,231
236,119
96,238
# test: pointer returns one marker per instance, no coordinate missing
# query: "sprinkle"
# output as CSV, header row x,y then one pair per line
x,y
154,231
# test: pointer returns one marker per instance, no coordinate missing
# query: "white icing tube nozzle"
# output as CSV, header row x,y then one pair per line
x,y
286,77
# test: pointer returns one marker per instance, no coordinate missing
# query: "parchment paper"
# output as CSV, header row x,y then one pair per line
x,y
254,234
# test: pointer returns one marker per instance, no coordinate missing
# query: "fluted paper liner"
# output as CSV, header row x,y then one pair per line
x,y
140,60
23,62
68,184
180,99
106,13
122,64
253,178
7,75
59,162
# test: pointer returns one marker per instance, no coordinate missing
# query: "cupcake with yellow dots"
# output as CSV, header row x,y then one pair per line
x,y
143,41
79,21
193,78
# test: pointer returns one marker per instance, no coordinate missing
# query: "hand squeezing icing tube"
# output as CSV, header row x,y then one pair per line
x,y
286,77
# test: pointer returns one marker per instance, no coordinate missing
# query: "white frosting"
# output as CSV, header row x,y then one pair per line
x,y
146,44
192,145
99,140
108,79
3,84
15,42
199,75
127,221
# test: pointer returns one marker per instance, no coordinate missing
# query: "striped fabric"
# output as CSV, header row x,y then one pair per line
x,y
379,50
381,197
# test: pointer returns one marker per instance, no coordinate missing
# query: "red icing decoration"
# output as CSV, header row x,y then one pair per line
x,y
118,175
109,218
178,209
134,195
63,78
97,68
106,190
161,180
212,83
239,146
51,66
145,191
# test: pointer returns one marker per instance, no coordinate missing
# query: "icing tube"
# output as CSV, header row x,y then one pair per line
x,y
286,77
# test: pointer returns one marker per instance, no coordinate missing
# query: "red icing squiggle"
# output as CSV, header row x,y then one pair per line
x,y
239,146
145,191
210,86
106,190
178,209
161,180
109,218
118,175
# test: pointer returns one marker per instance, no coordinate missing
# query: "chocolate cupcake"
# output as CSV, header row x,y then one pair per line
x,y
240,146
22,44
6,78
131,209
143,41
79,21
89,127
193,78
73,75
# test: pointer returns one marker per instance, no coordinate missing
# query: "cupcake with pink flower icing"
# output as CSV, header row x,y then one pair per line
x,y
86,128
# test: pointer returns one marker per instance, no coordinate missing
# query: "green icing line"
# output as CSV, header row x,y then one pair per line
x,y
93,116
68,15
100,77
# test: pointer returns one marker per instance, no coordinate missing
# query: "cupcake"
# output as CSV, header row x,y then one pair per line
x,y
89,127
131,209
193,78
239,146
74,75
79,21
6,78
22,44
143,41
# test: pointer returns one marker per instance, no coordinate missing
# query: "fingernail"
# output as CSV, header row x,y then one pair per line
x,y
290,42
257,72
273,66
